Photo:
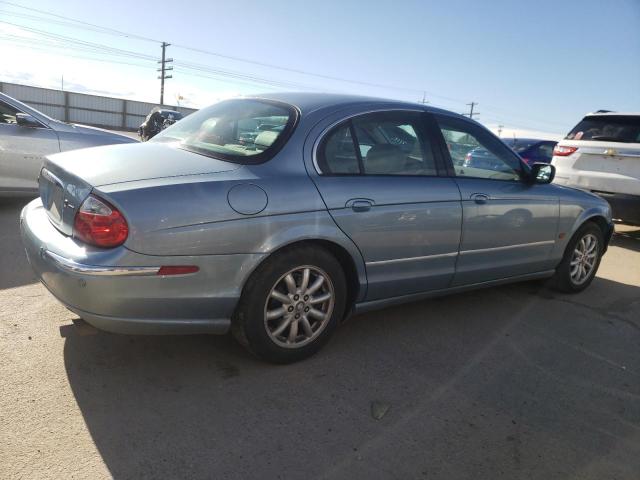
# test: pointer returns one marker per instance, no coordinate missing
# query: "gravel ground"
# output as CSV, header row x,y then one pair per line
x,y
508,382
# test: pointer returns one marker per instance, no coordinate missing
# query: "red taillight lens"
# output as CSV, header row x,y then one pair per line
x,y
100,223
177,270
563,151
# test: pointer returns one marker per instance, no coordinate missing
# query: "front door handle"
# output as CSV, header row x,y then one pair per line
x,y
480,198
360,204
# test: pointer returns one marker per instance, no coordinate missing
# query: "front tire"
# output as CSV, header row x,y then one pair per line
x,y
581,260
291,305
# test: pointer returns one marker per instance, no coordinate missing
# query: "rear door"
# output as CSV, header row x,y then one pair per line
x,y
378,175
509,225
22,151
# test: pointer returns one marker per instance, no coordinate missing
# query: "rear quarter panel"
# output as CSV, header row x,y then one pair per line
x,y
193,216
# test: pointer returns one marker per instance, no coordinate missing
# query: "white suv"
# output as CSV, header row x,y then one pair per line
x,y
602,154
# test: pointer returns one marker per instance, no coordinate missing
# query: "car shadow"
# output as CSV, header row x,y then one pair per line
x,y
516,379
627,236
15,270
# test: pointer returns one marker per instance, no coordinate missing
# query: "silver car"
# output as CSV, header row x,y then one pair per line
x,y
27,135
276,217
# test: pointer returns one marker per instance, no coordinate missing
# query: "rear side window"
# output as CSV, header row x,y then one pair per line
x,y
378,144
607,128
339,153
243,131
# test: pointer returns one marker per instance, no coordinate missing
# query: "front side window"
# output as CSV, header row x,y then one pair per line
x,y
476,154
607,128
243,131
378,144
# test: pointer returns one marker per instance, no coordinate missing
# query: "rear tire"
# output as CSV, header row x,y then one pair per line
x,y
581,260
291,305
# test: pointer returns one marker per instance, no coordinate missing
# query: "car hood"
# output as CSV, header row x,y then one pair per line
x,y
113,164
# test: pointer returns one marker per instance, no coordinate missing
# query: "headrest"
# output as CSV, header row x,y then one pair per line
x,y
384,158
266,138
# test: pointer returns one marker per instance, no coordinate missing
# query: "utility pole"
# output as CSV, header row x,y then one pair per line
x,y
500,130
424,98
163,69
471,112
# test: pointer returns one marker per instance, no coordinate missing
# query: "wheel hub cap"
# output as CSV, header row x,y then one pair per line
x,y
299,306
584,259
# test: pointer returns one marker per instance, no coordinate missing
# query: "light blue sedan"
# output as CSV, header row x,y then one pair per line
x,y
276,217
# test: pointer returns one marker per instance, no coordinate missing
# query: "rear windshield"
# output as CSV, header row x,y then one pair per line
x,y
242,131
607,128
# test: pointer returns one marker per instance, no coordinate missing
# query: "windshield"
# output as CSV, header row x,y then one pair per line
x,y
519,145
611,128
241,131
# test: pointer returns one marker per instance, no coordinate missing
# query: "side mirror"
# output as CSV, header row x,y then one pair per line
x,y
26,120
543,173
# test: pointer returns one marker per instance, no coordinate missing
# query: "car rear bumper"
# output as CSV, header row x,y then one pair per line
x,y
120,291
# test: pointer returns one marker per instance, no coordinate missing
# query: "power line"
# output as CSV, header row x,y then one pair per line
x,y
81,22
76,23
52,45
239,59
61,42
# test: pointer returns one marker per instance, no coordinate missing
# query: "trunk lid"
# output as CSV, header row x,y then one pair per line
x,y
66,179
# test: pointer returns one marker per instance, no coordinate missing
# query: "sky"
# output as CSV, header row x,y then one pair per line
x,y
534,67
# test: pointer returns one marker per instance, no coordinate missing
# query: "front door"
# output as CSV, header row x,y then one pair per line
x,y
22,151
509,226
379,180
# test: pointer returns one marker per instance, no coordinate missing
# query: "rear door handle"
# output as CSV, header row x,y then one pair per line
x,y
359,204
480,198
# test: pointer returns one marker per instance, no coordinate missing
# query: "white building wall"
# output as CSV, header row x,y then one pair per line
x,y
107,112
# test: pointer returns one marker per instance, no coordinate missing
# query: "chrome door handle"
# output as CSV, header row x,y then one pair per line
x,y
360,204
480,198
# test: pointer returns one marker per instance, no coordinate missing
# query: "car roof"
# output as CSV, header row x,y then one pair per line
x,y
613,114
523,139
307,102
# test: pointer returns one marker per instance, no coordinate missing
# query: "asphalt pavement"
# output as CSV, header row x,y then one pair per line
x,y
504,383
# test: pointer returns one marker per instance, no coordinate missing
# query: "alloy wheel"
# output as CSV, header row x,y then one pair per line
x,y
299,306
584,258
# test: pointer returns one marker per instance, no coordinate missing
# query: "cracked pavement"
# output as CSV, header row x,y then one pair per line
x,y
509,382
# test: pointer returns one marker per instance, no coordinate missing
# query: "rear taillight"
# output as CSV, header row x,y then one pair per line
x,y
100,223
563,151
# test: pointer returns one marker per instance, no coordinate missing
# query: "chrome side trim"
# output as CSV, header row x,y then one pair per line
x,y
409,259
508,247
80,268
